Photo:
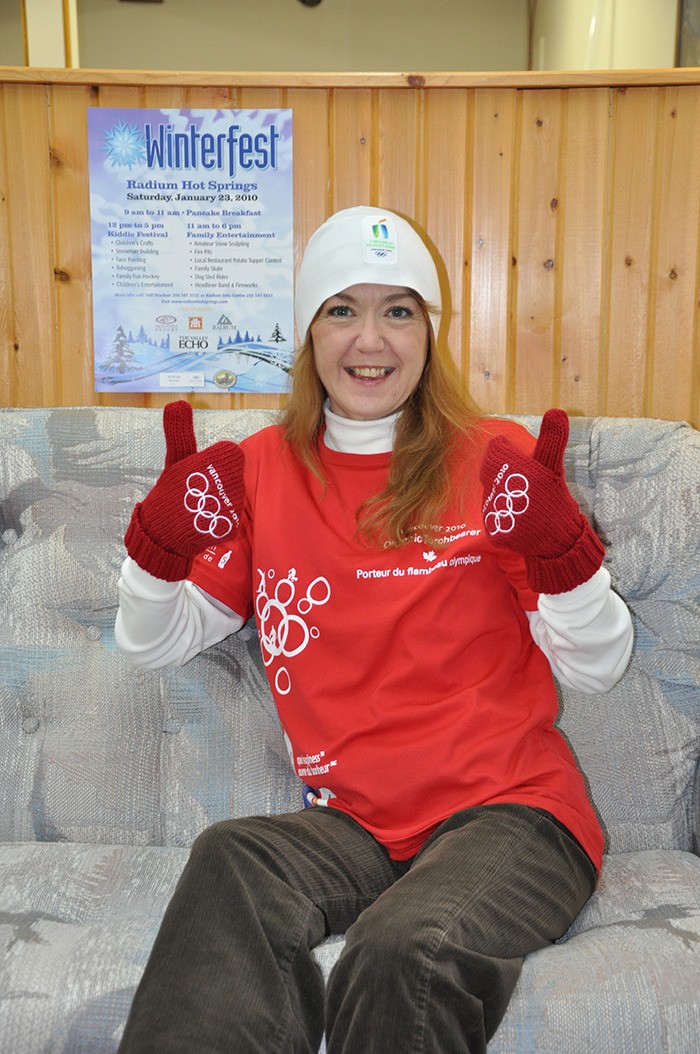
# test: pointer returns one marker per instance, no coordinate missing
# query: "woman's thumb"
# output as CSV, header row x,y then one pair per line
x,y
552,440
180,440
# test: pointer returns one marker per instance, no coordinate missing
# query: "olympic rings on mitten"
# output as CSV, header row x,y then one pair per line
x,y
528,508
196,501
511,502
206,508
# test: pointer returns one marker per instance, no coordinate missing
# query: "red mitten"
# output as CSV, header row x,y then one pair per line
x,y
195,502
528,508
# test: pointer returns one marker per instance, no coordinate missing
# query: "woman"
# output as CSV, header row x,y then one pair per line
x,y
416,574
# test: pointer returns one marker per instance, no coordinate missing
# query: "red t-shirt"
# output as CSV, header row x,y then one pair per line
x,y
406,679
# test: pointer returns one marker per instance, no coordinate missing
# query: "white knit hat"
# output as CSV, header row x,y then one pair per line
x,y
364,244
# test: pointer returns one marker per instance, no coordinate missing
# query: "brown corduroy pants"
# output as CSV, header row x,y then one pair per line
x,y
434,944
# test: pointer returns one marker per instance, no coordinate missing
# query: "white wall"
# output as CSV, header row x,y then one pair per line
x,y
605,34
354,35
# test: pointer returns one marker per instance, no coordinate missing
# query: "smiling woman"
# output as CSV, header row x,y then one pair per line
x,y
447,828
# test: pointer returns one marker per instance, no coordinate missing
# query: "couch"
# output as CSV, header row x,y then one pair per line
x,y
107,773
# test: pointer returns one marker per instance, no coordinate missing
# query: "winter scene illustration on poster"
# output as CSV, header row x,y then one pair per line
x,y
192,249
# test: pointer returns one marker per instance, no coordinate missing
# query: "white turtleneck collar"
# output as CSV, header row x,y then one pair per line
x,y
359,437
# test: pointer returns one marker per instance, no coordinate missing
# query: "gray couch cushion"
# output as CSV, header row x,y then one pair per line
x,y
638,744
76,926
627,976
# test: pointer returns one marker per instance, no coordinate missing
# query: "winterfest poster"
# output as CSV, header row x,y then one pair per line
x,y
192,249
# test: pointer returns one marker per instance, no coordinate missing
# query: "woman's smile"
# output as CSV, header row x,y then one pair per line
x,y
369,373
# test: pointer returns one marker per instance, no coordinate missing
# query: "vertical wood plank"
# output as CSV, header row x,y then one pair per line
x,y
400,154
446,210
7,322
160,97
581,209
491,250
669,389
73,269
262,98
36,380
630,251
310,120
535,379
211,97
352,140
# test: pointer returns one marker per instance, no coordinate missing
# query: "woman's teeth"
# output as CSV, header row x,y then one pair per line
x,y
370,372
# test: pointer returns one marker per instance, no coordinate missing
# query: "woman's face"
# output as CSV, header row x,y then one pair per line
x,y
370,345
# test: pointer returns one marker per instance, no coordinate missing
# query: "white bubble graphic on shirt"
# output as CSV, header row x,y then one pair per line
x,y
283,630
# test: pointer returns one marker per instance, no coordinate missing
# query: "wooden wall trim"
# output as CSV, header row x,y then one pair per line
x,y
415,79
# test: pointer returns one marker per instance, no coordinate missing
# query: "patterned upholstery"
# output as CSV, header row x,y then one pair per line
x,y
107,773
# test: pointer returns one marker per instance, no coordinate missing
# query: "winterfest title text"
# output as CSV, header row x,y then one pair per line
x,y
229,151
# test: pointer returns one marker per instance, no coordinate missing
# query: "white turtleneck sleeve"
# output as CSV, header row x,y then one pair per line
x,y
586,634
166,623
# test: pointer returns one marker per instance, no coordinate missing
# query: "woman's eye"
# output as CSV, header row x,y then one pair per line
x,y
339,311
400,311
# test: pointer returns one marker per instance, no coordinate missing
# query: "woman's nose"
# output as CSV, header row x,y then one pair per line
x,y
369,335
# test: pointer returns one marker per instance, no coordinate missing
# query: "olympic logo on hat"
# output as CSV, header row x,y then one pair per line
x,y
512,501
206,507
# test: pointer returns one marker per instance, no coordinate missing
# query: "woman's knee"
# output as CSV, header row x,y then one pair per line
x,y
237,848
382,943
220,837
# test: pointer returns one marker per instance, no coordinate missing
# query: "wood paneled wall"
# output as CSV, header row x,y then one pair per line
x,y
566,209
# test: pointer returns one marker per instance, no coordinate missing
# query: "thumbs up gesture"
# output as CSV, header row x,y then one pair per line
x,y
196,501
528,508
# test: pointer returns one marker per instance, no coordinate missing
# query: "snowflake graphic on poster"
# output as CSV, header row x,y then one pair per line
x,y
125,144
